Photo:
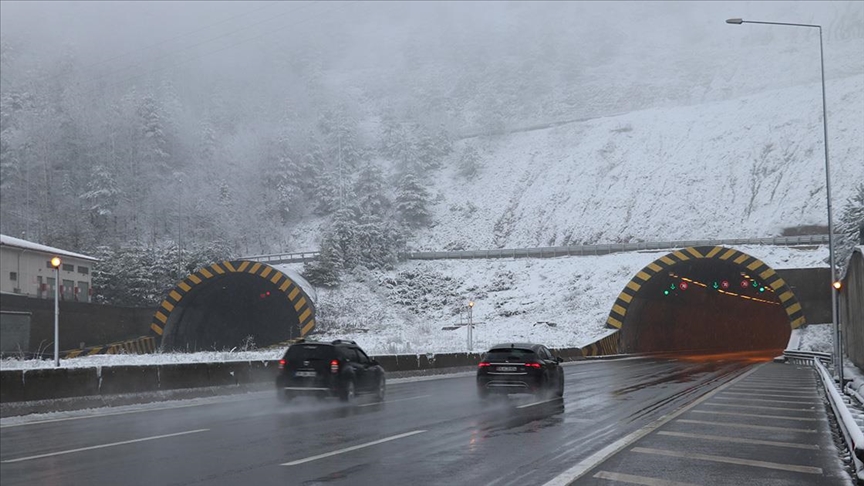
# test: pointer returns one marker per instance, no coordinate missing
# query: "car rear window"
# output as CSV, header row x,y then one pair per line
x,y
309,352
510,353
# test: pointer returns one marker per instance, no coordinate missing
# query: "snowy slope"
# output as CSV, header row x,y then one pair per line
x,y
742,168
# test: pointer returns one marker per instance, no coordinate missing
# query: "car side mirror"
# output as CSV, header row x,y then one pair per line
x,y
559,359
374,362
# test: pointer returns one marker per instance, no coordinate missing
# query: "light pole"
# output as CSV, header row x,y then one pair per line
x,y
838,350
470,327
55,262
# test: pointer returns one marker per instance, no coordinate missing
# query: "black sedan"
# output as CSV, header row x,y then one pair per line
x,y
520,368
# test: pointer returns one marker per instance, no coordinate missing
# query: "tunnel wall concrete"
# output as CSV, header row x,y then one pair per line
x,y
812,288
787,298
851,308
294,288
80,322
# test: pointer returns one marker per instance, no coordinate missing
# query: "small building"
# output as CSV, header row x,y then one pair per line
x,y
25,269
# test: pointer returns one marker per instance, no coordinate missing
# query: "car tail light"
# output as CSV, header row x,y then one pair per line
x,y
281,364
532,365
483,365
334,366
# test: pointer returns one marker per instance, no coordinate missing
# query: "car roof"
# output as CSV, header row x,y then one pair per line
x,y
515,345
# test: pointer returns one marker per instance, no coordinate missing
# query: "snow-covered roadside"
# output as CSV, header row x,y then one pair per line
x,y
562,302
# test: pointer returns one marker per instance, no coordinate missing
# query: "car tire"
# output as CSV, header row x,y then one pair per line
x,y
348,392
381,391
560,390
284,396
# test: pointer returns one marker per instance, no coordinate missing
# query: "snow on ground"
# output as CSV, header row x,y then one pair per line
x,y
817,338
561,302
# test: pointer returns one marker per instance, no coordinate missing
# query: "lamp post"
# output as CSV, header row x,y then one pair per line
x,y
838,350
470,327
55,262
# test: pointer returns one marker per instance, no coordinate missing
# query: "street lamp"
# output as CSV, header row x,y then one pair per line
x,y
470,326
838,350
55,263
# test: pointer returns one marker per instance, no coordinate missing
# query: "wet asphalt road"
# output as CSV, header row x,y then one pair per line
x,y
427,432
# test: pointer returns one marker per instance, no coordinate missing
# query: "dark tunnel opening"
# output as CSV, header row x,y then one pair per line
x,y
705,306
231,311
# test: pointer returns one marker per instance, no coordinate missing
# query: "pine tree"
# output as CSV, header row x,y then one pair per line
x,y
412,201
102,196
369,190
469,163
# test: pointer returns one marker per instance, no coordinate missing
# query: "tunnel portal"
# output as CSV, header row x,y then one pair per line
x,y
233,305
705,300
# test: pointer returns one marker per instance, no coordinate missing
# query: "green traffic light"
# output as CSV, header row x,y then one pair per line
x,y
665,292
672,287
761,289
715,285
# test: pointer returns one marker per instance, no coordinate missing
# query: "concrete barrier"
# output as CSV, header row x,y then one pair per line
x,y
53,383
128,379
11,386
48,383
186,375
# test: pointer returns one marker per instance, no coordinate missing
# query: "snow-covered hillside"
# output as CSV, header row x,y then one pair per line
x,y
741,168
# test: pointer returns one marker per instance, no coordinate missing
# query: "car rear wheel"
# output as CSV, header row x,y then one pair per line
x,y
284,396
349,392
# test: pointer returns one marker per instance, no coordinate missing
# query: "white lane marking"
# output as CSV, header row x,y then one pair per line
x,y
540,402
763,407
729,460
738,399
781,417
747,426
392,401
771,395
644,480
102,446
592,461
752,390
125,412
353,448
739,440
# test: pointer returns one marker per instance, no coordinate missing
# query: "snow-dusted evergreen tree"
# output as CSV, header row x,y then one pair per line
x,y
412,201
850,224
156,148
469,163
369,190
102,195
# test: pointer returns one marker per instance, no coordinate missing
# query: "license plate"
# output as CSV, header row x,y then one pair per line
x,y
305,374
506,368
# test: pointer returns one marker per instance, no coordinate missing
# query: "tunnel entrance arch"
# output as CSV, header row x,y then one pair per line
x,y
232,303
705,300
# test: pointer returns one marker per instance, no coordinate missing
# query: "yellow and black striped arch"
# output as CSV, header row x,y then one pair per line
x,y
301,302
746,262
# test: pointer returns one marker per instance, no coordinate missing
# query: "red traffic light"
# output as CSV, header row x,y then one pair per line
x,y
724,284
745,284
683,286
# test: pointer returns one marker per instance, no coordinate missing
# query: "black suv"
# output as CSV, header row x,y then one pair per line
x,y
338,369
520,368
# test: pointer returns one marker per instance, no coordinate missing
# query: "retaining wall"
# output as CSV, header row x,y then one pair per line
x,y
51,383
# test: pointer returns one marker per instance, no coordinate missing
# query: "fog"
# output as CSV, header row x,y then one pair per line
x,y
230,91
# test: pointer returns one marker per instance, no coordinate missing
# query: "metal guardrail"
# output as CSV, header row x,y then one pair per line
x,y
805,357
559,251
851,432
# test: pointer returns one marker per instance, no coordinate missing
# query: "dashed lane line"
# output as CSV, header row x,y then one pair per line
x,y
763,407
739,440
747,426
644,480
102,446
770,395
578,470
556,399
353,448
780,417
729,460
738,399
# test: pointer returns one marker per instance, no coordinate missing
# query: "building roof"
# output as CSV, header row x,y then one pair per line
x,y
36,247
